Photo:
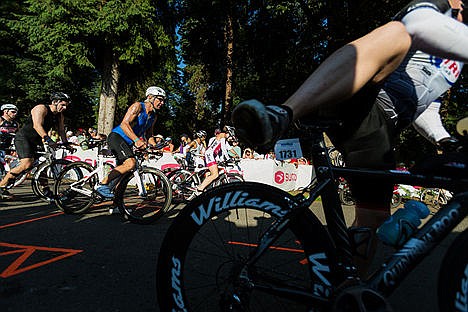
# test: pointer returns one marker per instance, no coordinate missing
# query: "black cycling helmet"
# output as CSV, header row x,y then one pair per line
x,y
60,96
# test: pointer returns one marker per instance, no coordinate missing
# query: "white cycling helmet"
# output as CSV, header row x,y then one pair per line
x,y
157,91
201,134
9,106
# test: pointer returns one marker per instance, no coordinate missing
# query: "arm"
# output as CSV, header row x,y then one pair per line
x,y
38,114
130,116
61,128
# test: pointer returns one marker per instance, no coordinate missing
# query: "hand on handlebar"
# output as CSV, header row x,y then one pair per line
x,y
141,144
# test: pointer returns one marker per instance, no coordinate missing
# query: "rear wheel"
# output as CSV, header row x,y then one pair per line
x,y
147,206
183,184
73,194
226,178
453,276
44,178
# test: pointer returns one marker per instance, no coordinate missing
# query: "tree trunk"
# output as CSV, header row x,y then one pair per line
x,y
229,40
108,99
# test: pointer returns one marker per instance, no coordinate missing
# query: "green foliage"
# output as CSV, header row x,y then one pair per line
x,y
49,45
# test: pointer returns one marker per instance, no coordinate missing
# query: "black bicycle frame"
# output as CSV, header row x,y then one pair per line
x,y
415,249
391,274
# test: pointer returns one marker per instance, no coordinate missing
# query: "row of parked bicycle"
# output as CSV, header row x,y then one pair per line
x,y
141,196
433,197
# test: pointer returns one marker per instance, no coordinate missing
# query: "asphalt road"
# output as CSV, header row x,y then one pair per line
x,y
50,261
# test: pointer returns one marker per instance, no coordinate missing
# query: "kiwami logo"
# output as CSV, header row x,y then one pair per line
x,y
320,289
175,279
234,200
461,299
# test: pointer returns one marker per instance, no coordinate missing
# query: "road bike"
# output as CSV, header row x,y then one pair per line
x,y
44,172
253,247
184,182
142,195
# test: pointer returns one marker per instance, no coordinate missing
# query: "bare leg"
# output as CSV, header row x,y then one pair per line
x,y
125,167
368,59
213,175
25,164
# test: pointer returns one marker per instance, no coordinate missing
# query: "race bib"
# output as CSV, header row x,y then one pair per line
x,y
287,149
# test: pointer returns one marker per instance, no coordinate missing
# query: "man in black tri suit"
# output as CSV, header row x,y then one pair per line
x,y
43,118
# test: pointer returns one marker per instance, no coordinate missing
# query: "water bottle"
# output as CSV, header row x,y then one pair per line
x,y
397,229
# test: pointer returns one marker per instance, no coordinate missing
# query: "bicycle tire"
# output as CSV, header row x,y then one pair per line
x,y
433,198
452,286
214,234
346,197
396,200
68,200
48,177
144,210
225,178
183,184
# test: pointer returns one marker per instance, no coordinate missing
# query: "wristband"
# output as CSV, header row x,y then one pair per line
x,y
136,140
47,139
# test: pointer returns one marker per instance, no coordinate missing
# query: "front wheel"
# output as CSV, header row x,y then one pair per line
x,y
74,188
453,276
433,197
143,200
205,260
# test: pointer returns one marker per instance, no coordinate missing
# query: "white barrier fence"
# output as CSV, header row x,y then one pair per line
x,y
283,175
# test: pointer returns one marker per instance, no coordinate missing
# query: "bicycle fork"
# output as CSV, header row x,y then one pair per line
x,y
140,184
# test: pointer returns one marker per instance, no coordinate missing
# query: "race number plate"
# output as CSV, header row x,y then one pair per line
x,y
287,149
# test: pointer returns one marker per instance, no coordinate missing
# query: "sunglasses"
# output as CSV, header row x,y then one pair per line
x,y
14,112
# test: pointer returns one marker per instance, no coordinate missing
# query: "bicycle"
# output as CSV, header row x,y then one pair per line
x,y
435,197
184,182
142,195
44,172
250,246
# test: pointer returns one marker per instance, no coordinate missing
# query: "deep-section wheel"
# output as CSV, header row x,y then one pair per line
x,y
206,263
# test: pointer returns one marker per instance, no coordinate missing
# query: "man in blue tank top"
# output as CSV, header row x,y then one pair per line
x,y
136,126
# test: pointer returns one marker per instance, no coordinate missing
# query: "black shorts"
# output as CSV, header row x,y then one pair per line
x,y
25,148
366,140
121,150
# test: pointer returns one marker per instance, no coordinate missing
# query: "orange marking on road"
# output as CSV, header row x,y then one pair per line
x,y
25,252
30,220
271,247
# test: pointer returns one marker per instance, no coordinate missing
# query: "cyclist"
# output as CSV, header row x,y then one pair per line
x,y
195,147
136,125
43,117
8,125
365,71
217,150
